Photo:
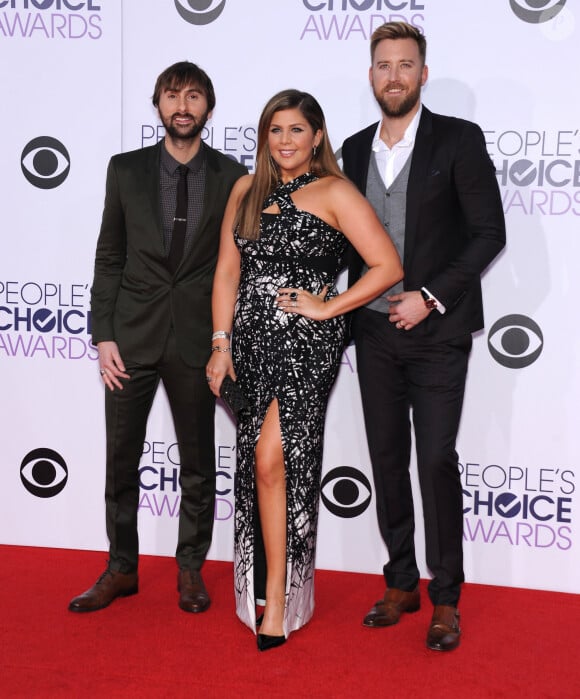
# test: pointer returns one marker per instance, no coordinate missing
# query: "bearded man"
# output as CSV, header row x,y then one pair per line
x,y
151,321
431,181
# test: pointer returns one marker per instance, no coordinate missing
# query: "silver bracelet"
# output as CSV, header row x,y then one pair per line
x,y
220,335
217,348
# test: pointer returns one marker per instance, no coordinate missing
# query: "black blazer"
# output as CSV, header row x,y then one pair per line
x,y
454,219
134,297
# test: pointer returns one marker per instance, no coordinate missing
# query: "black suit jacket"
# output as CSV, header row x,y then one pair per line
x,y
134,297
454,219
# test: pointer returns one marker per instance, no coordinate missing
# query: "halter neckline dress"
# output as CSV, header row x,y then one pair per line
x,y
295,360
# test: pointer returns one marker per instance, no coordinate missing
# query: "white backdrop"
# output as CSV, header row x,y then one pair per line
x,y
77,84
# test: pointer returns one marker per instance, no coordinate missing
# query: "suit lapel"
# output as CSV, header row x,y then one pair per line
x,y
362,157
211,195
211,189
417,175
151,187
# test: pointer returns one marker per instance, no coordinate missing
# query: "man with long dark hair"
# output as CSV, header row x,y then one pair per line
x,y
151,322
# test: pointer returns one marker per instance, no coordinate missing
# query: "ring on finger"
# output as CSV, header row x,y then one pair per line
x,y
294,295
208,379
102,372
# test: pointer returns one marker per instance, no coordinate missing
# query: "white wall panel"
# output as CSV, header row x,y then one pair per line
x,y
85,78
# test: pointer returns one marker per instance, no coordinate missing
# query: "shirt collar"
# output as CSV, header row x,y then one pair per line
x,y
408,140
171,165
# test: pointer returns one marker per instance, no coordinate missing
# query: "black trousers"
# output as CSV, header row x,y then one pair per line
x,y
401,377
126,412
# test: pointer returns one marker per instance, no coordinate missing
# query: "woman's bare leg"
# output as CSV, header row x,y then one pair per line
x,y
271,490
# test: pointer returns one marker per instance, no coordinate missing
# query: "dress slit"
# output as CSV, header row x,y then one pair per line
x,y
294,360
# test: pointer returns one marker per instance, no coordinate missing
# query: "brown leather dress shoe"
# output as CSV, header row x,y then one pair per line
x,y
444,632
109,586
193,596
387,611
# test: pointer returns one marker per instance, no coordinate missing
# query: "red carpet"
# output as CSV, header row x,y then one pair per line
x,y
516,643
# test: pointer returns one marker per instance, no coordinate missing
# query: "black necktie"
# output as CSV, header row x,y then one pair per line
x,y
179,222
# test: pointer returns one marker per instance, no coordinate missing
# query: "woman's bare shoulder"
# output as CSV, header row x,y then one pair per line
x,y
243,184
338,188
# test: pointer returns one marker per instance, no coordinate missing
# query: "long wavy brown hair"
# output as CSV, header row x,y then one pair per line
x,y
267,176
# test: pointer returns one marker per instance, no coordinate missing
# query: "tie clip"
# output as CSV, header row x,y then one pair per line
x,y
183,220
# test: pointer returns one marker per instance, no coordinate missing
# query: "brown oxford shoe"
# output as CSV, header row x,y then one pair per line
x,y
444,632
387,611
193,596
109,586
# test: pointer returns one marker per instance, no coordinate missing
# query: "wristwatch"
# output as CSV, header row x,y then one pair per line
x,y
430,302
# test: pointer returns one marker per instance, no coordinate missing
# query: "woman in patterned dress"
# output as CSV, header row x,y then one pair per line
x,y
284,235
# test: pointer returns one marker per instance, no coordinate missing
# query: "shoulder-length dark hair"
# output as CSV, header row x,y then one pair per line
x,y
184,74
267,174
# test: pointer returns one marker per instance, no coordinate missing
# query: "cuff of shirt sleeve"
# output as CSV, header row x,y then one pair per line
x,y
440,307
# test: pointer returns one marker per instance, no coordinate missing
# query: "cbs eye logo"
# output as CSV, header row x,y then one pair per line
x,y
199,11
536,11
346,492
43,473
515,341
45,162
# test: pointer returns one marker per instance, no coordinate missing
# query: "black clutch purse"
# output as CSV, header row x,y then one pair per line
x,y
232,396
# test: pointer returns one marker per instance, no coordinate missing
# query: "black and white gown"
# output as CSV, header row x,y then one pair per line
x,y
295,360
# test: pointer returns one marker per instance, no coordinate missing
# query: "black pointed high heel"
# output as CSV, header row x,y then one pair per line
x,y
266,642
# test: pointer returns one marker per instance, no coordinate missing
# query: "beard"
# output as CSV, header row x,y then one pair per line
x,y
396,106
184,133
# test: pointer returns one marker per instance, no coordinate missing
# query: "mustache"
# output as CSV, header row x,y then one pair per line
x,y
396,86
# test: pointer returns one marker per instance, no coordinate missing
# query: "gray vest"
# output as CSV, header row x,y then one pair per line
x,y
390,206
